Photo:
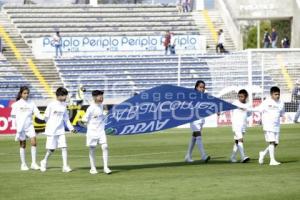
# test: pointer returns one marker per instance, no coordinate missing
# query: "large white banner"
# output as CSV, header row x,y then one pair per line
x,y
92,46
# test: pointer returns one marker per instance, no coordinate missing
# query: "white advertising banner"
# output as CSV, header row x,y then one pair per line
x,y
93,46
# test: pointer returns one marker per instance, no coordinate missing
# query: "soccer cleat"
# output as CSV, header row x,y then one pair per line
x,y
66,169
24,167
261,158
188,159
233,158
107,171
206,159
43,165
93,171
246,159
34,166
274,163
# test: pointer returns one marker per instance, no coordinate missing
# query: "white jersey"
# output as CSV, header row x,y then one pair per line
x,y
56,116
94,117
198,124
271,112
199,121
23,111
221,39
57,39
239,116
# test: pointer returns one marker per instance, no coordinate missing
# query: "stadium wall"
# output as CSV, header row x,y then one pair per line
x,y
268,9
296,24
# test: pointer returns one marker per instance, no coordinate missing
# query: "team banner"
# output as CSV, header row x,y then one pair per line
x,y
160,108
95,46
6,122
6,103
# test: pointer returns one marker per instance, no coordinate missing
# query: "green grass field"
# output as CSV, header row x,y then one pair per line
x,y
151,167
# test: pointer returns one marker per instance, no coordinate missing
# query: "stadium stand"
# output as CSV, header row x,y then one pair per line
x,y
11,80
22,23
113,19
130,74
18,53
123,75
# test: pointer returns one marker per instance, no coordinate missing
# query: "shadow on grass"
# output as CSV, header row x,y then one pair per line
x,y
289,161
120,168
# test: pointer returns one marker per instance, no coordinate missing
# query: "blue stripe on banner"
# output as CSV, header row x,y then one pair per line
x,y
160,108
4,103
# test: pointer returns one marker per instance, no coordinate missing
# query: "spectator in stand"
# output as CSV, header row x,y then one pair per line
x,y
296,99
274,38
179,6
221,40
267,39
285,42
57,44
172,44
296,92
186,5
1,48
80,98
167,42
190,5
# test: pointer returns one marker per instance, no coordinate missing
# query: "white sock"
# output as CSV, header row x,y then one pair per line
x,y
200,147
92,157
234,151
48,154
33,154
64,154
22,156
272,152
191,147
241,149
105,155
264,152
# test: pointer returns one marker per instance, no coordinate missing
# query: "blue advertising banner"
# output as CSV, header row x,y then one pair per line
x,y
160,108
5,103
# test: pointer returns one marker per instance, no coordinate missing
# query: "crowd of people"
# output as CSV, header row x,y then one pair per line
x,y
184,6
57,118
271,40
272,109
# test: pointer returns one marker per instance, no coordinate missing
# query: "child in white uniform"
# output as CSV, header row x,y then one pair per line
x,y
196,127
272,109
239,125
23,110
56,115
94,118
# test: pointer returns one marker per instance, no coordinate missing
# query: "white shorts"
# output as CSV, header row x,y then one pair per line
x,y
56,141
196,126
28,133
272,136
238,135
92,141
